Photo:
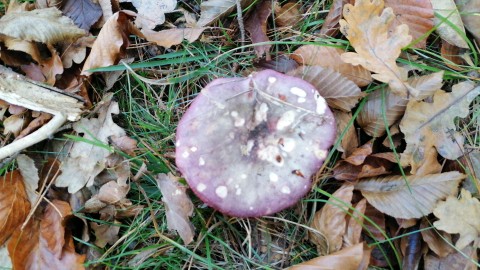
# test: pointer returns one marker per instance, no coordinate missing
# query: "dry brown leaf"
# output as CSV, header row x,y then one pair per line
x,y
460,216
360,154
107,12
14,204
351,258
391,194
353,232
213,10
111,42
371,117
330,220
288,14
451,56
87,160
256,25
349,140
428,125
281,63
42,25
436,240
84,13
75,52
455,260
178,206
151,13
170,37
27,47
13,124
331,25
44,243
105,233
469,10
125,144
30,176
339,92
446,14
371,167
112,192
366,27
330,57
417,14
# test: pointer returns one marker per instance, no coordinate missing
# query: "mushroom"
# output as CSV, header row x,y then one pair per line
x,y
249,146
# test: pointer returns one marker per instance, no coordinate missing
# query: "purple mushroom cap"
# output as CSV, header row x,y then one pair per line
x,y
249,146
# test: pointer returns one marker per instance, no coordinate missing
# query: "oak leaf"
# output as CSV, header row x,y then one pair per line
x,y
460,216
366,27
409,197
151,13
14,204
428,125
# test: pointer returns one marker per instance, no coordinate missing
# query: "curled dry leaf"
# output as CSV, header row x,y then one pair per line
x,y
178,206
446,14
44,243
75,52
330,57
256,25
111,42
417,14
213,10
351,258
371,167
366,27
349,139
360,154
84,13
409,197
29,172
354,226
151,13
170,37
42,25
339,92
13,124
331,222
331,26
383,106
14,204
460,216
428,125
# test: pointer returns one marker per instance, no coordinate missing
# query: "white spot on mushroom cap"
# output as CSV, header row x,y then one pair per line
x,y
251,208
239,122
272,79
185,154
246,149
321,105
288,144
298,92
261,113
193,148
177,192
201,187
270,153
273,177
238,191
301,100
234,114
243,176
286,120
201,161
320,153
177,143
221,191
285,190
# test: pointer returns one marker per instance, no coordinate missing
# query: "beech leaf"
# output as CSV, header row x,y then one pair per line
x,y
469,10
178,206
366,27
212,10
428,125
339,92
14,204
42,25
331,26
170,37
371,117
330,220
460,216
465,259
330,57
391,194
446,15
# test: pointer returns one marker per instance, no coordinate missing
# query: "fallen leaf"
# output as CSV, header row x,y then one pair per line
x,y
460,216
111,42
446,14
112,192
213,10
371,167
451,56
417,14
331,25
47,70
349,141
330,220
455,260
366,27
42,25
383,106
13,124
391,194
84,13
256,25
428,125
125,144
87,159
351,258
107,12
178,206
288,14
360,154
105,233
281,63
30,175
44,243
330,57
151,13
14,204
469,10
354,226
5,260
439,242
75,52
170,37
339,92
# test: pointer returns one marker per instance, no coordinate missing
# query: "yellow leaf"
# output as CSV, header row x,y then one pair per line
x,y
366,27
460,216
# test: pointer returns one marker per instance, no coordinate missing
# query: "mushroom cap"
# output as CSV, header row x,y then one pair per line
x,y
249,146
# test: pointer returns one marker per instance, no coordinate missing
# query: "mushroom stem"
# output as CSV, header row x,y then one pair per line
x,y
39,135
